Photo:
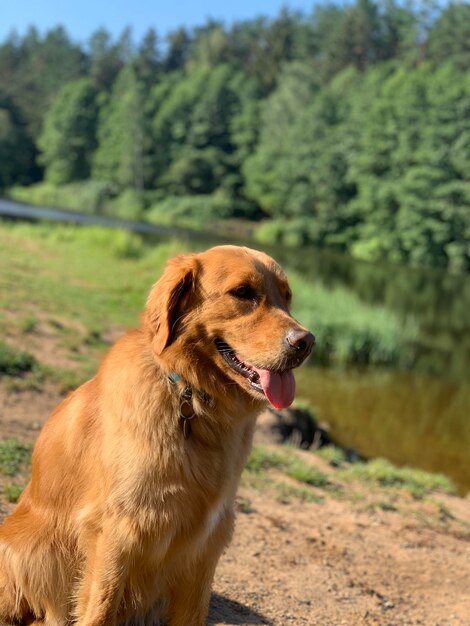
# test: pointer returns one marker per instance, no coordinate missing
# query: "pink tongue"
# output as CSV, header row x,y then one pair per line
x,y
279,387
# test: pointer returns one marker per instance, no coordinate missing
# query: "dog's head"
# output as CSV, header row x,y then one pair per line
x,y
222,317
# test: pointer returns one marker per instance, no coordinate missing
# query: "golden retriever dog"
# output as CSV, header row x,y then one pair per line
x,y
134,475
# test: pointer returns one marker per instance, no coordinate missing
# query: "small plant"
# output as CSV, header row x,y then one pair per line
x,y
33,380
244,505
13,454
383,505
126,245
306,473
334,455
13,491
94,339
286,493
15,362
28,324
262,459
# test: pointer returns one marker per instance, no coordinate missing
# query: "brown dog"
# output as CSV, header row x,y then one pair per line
x,y
134,475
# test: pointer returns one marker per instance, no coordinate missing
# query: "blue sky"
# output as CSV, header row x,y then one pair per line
x,y
82,17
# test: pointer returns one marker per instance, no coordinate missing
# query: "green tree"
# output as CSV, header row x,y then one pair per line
x,y
203,126
123,134
178,49
17,151
68,137
412,171
107,57
449,36
34,69
300,170
274,45
209,46
147,61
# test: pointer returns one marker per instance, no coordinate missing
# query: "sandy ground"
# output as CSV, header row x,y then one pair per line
x,y
338,562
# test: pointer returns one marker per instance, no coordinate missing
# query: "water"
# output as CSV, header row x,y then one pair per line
x,y
419,416
409,418
439,302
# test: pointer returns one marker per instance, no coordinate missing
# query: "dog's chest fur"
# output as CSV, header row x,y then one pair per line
x,y
195,512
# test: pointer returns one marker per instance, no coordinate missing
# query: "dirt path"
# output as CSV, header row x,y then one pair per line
x,y
328,565
343,561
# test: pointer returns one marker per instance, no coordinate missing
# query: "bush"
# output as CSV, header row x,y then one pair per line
x,y
127,205
87,197
292,233
119,243
195,210
125,245
15,362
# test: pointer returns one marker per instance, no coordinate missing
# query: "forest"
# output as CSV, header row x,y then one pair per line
x,y
348,127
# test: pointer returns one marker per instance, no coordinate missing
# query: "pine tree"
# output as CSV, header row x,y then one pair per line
x,y
68,137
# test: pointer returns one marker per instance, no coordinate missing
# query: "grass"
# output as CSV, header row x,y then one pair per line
x,y
286,493
28,324
384,474
13,491
350,332
86,196
13,456
92,275
83,280
377,473
334,455
15,362
262,459
15,459
305,473
287,462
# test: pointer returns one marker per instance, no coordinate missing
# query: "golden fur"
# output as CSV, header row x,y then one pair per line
x,y
124,519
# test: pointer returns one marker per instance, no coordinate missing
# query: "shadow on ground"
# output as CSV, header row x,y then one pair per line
x,y
232,613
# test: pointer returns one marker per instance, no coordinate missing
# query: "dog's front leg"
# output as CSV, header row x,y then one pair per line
x,y
189,603
101,588
191,592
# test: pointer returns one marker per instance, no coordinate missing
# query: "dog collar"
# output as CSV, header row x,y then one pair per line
x,y
174,377
187,412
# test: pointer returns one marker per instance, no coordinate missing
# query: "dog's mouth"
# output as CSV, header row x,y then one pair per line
x,y
276,385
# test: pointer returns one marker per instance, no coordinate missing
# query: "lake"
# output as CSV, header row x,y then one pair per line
x,y
409,418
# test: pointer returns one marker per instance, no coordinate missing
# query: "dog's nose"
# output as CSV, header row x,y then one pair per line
x,y
300,340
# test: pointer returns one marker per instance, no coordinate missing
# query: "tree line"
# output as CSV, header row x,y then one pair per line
x,y
347,127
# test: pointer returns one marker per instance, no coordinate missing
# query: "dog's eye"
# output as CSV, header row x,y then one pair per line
x,y
244,292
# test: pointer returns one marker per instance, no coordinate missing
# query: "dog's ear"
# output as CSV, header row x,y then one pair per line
x,y
170,298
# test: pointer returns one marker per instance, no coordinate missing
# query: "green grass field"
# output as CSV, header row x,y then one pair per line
x,y
72,285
